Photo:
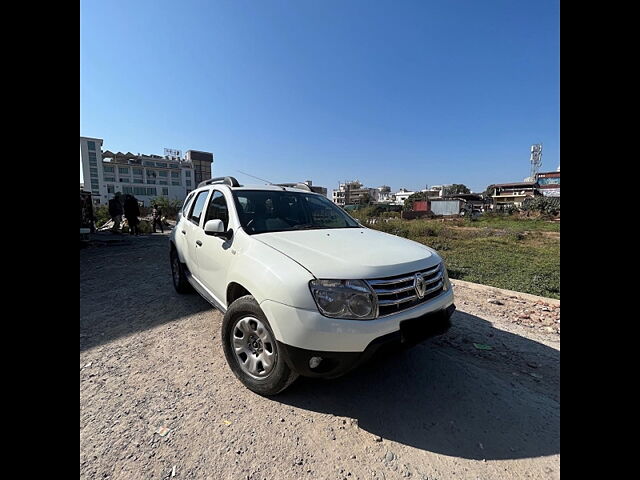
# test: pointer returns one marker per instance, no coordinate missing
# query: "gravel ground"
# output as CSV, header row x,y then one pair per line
x,y
448,408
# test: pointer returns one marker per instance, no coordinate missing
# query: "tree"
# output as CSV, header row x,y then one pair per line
x,y
365,199
544,205
456,189
101,214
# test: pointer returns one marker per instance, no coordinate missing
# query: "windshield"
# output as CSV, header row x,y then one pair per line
x,y
262,211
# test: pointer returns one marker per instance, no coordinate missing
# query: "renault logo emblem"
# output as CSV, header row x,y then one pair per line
x,y
419,285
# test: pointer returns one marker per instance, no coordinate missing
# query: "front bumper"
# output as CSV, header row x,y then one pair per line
x,y
310,330
335,364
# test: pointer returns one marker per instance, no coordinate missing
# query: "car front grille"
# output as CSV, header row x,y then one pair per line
x,y
398,293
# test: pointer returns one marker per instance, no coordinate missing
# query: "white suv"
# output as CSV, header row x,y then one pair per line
x,y
305,289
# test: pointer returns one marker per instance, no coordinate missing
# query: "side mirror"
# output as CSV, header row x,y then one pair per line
x,y
216,228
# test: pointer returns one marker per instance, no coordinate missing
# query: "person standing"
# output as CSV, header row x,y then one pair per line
x,y
156,214
132,212
115,212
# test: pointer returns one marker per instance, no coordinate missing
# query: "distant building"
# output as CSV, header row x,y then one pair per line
x,y
201,162
384,194
145,176
308,183
472,201
434,192
506,194
549,183
457,204
437,190
421,206
353,193
341,196
446,206
401,195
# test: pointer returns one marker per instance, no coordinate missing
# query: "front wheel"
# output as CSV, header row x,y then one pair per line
x,y
251,349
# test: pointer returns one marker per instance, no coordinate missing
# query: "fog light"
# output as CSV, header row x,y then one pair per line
x,y
314,362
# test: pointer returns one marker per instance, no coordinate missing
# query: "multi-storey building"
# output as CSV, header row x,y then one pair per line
x,y
202,162
341,196
549,183
354,193
145,176
506,194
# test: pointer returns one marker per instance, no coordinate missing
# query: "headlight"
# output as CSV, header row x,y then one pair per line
x,y
352,299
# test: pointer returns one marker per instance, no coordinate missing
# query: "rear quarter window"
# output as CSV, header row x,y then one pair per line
x,y
187,202
198,207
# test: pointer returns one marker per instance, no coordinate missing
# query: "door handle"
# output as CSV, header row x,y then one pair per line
x,y
184,232
199,243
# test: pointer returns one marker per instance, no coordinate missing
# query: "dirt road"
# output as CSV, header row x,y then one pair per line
x,y
446,409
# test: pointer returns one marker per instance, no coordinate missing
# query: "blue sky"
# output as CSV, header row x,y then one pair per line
x,y
402,93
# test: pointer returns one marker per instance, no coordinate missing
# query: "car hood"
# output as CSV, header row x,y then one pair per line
x,y
351,253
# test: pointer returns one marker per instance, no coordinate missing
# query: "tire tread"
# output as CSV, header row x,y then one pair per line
x,y
282,376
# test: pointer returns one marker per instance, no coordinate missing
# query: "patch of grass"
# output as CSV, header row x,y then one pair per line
x,y
507,262
514,223
502,252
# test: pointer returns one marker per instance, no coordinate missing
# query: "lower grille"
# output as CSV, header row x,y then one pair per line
x,y
399,293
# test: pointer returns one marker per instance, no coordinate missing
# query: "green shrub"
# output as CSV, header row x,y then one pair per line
x,y
169,206
544,205
101,214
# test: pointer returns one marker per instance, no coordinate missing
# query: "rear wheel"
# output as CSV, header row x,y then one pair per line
x,y
251,349
180,282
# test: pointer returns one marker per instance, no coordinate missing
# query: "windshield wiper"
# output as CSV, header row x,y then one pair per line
x,y
307,226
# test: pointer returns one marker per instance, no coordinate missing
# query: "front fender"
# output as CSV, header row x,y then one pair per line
x,y
270,275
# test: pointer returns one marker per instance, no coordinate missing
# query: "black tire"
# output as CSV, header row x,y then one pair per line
x,y
180,282
280,376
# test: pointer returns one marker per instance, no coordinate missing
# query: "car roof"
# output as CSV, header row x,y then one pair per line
x,y
272,188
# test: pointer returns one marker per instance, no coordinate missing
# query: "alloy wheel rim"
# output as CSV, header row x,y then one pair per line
x,y
253,347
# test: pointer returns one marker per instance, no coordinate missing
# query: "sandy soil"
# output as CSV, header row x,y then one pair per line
x,y
448,408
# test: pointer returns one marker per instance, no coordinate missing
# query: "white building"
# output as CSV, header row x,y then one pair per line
x,y
145,176
354,193
439,189
384,194
401,195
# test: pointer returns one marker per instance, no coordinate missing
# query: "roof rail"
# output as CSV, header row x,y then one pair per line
x,y
231,181
303,186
